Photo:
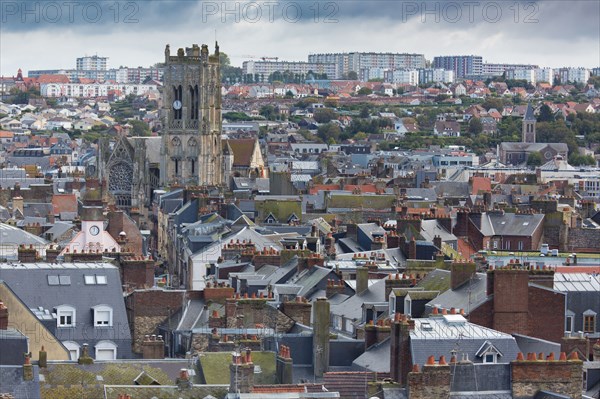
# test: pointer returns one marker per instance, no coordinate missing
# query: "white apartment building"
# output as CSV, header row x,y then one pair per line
x,y
267,68
92,90
92,63
521,74
544,75
356,61
574,75
403,76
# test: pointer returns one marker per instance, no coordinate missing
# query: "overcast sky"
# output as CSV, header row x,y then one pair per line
x,y
49,35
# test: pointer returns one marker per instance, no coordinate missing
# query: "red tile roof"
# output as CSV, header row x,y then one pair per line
x,y
481,184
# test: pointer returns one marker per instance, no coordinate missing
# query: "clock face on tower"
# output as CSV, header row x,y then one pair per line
x,y
177,105
94,230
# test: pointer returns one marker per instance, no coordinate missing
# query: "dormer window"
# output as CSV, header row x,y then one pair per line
x,y
103,315
65,316
488,353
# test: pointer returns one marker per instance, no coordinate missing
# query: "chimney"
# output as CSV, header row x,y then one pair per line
x,y
18,204
27,368
52,253
43,358
153,347
393,241
362,279
352,231
511,301
183,381
412,249
241,373
395,281
26,254
437,242
433,381
596,351
330,244
400,355
576,343
3,316
84,357
460,273
321,321
284,366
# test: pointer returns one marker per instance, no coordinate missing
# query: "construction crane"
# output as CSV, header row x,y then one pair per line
x,y
254,57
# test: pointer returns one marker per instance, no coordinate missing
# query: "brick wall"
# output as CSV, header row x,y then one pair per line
x,y
583,240
146,309
432,382
563,377
546,314
299,311
137,271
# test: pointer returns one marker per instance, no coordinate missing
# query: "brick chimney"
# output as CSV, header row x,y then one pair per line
x,y
26,254
153,347
577,343
27,368
321,321
241,373
437,242
3,316
536,373
400,354
412,249
52,253
298,310
461,228
330,244
396,281
461,272
138,271
511,300
284,366
379,242
432,382
393,241
84,356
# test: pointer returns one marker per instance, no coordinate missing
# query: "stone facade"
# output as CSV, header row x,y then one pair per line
x,y
191,151
531,376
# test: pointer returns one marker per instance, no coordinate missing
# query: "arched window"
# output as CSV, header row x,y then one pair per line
x,y
106,350
73,348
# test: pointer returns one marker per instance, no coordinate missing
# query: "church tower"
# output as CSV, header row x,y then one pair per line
x,y
528,129
191,153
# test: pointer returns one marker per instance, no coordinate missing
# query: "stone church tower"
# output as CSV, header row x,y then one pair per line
x,y
191,151
528,129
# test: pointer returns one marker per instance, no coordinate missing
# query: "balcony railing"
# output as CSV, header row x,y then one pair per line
x,y
176,124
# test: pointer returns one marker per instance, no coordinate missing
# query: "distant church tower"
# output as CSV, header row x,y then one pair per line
x,y
528,129
191,153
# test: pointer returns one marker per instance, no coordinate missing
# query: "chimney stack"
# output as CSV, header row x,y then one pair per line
x,y
241,373
321,321
18,204
153,347
284,365
362,279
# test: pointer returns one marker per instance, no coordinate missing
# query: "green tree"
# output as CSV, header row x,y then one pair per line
x,y
328,132
139,128
577,159
324,115
491,102
534,159
268,111
546,114
364,112
364,91
475,126
352,75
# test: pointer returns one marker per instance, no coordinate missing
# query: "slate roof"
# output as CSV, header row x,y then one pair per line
x,y
11,381
468,296
352,307
529,113
438,336
432,228
31,283
510,224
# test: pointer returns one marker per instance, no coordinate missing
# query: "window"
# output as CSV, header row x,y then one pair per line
x,y
73,348
102,316
106,350
489,358
569,324
392,304
91,279
407,305
65,316
589,323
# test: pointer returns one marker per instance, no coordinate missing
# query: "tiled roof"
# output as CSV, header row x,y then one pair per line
x,y
350,385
